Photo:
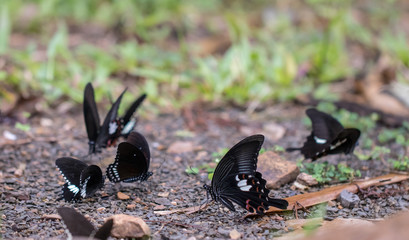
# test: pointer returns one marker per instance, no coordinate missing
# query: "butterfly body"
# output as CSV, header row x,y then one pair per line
x,y
328,136
236,179
132,160
81,180
105,135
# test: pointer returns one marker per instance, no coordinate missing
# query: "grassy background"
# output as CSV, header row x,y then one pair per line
x,y
242,52
273,51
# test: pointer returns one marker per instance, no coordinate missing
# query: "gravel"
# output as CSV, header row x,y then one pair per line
x,y
27,199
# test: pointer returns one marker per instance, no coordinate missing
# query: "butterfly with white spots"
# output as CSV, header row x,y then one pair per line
x,y
81,180
105,135
328,136
236,179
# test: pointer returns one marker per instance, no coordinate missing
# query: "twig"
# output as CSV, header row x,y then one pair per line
x,y
176,224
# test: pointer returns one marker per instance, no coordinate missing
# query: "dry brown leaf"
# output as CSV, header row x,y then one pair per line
x,y
325,195
122,196
51,216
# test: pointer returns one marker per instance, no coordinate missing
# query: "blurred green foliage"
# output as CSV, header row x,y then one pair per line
x,y
64,47
325,172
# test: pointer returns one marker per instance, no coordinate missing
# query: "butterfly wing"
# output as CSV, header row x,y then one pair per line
x,y
241,158
71,169
345,142
91,180
325,128
105,230
110,125
236,179
132,160
76,223
129,113
91,117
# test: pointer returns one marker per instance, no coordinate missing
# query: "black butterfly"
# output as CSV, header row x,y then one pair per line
x,y
128,124
132,160
81,180
113,127
328,136
79,226
99,136
236,179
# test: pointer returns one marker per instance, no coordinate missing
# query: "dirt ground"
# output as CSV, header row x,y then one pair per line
x,y
28,196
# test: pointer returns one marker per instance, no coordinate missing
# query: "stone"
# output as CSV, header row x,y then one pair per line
x,y
179,147
306,179
348,199
234,234
276,170
126,226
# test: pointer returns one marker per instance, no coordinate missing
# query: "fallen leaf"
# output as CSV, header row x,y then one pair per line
x,y
234,234
51,216
126,226
122,196
331,193
131,206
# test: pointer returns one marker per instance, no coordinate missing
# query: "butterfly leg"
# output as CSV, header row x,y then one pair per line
x,y
298,206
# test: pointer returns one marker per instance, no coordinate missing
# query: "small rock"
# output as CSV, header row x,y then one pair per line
x,y
234,234
122,196
126,226
159,207
348,199
131,206
276,171
20,170
223,231
163,201
274,131
163,194
180,147
306,179
101,209
10,136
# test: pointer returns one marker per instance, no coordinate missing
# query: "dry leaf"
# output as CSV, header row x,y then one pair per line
x,y
126,226
325,195
131,206
51,216
122,196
